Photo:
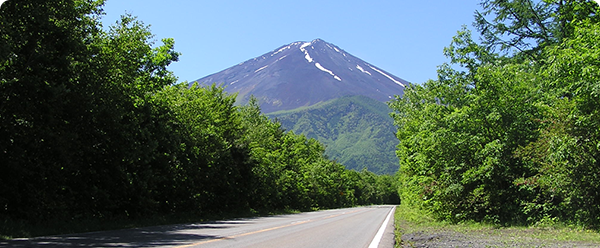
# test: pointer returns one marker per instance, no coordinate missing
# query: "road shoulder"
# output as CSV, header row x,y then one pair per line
x,y
388,239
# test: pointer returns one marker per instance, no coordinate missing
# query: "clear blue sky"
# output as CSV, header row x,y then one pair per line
x,y
405,38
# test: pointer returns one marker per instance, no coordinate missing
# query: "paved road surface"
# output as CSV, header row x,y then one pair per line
x,y
346,228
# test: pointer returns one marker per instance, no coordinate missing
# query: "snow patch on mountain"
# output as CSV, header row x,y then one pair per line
x,y
363,70
306,55
328,71
281,50
318,65
388,76
260,69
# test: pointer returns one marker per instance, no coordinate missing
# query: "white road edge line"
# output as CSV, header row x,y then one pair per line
x,y
379,235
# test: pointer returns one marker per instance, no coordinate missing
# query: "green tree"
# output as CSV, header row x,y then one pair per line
x,y
568,150
75,135
509,138
458,134
263,138
214,171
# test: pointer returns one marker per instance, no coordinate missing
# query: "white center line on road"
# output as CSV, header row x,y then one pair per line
x,y
379,235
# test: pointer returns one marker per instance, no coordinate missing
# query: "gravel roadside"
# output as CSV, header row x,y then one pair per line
x,y
414,229
483,239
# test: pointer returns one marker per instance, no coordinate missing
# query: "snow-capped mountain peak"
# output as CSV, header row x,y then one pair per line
x,y
305,73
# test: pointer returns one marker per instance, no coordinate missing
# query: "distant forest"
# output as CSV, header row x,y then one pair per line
x,y
357,131
93,125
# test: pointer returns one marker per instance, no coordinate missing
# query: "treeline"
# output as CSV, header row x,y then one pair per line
x,y
92,125
513,135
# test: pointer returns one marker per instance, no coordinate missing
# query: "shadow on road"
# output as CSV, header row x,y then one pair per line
x,y
171,235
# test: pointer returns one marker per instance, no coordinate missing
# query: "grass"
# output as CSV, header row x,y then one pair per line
x,y
413,221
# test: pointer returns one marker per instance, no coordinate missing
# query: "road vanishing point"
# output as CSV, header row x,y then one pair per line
x,y
370,226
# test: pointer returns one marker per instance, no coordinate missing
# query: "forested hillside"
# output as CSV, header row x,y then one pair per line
x,y
509,133
356,130
93,126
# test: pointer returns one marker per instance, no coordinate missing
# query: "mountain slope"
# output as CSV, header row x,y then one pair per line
x,y
302,74
356,130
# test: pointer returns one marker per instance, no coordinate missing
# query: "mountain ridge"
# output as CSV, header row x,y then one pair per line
x,y
302,74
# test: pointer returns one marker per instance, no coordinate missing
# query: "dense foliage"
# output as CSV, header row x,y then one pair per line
x,y
94,126
356,130
513,135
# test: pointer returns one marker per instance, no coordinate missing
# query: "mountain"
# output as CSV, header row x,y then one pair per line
x,y
302,74
319,90
357,131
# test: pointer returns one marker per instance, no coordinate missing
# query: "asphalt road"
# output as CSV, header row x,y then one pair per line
x,y
347,228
